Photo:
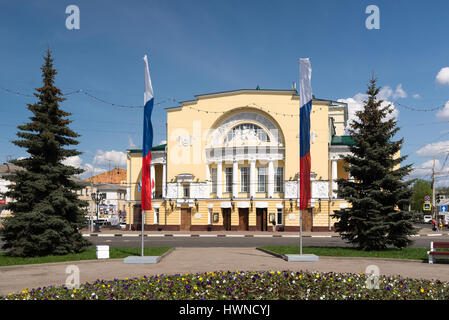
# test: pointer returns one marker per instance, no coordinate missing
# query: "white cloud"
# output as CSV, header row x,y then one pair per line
x,y
443,115
92,171
89,169
385,93
399,92
74,161
115,158
356,103
431,149
441,183
416,96
443,76
131,143
424,169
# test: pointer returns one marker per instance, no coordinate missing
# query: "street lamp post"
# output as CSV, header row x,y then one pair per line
x,y
97,198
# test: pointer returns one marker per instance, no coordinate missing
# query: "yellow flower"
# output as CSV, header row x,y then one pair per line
x,y
10,294
103,286
195,287
201,278
174,293
349,280
317,276
422,290
74,290
300,276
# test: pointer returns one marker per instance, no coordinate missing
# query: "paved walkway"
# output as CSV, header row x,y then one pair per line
x,y
192,260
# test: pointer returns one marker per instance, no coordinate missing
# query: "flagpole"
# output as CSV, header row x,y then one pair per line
x,y
299,171
143,221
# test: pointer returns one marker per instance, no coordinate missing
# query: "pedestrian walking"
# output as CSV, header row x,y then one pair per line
x,y
434,224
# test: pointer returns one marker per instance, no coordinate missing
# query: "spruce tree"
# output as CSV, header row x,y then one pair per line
x,y
379,195
46,213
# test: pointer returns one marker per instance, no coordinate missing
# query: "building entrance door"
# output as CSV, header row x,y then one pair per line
x,y
261,219
185,219
226,218
243,219
137,217
307,220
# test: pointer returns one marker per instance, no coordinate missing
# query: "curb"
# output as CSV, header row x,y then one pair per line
x,y
283,256
166,254
110,235
277,255
124,235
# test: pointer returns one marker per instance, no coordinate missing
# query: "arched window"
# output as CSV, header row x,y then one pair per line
x,y
247,131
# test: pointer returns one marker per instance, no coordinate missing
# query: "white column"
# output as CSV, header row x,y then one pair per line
x,y
252,178
334,178
219,179
180,195
270,179
164,180
235,179
209,184
152,178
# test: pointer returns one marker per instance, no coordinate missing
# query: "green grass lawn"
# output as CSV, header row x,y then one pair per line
x,y
88,254
406,253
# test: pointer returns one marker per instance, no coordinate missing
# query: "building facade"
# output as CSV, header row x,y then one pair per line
x,y
6,169
231,162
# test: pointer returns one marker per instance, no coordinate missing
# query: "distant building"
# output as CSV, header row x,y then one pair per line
x,y
115,176
5,170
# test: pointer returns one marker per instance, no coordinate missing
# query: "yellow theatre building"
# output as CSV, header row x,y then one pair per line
x,y
231,162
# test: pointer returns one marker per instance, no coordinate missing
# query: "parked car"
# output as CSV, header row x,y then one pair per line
x,y
427,218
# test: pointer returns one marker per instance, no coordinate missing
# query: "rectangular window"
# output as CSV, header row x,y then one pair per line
x,y
228,171
156,215
244,179
262,179
186,190
279,217
214,180
279,179
209,216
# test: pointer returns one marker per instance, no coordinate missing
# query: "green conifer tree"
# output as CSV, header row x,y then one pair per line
x,y
379,195
46,213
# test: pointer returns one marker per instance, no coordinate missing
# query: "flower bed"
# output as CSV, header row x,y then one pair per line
x,y
269,285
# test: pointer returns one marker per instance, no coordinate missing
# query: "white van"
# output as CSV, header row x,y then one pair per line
x,y
427,218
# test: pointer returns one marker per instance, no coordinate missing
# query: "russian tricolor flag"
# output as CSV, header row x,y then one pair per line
x,y
305,95
147,140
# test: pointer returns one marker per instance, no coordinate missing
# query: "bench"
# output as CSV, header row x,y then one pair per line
x,y
440,254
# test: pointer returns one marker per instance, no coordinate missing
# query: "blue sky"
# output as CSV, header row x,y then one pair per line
x,y
197,47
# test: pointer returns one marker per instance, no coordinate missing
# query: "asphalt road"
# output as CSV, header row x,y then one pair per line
x,y
199,242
